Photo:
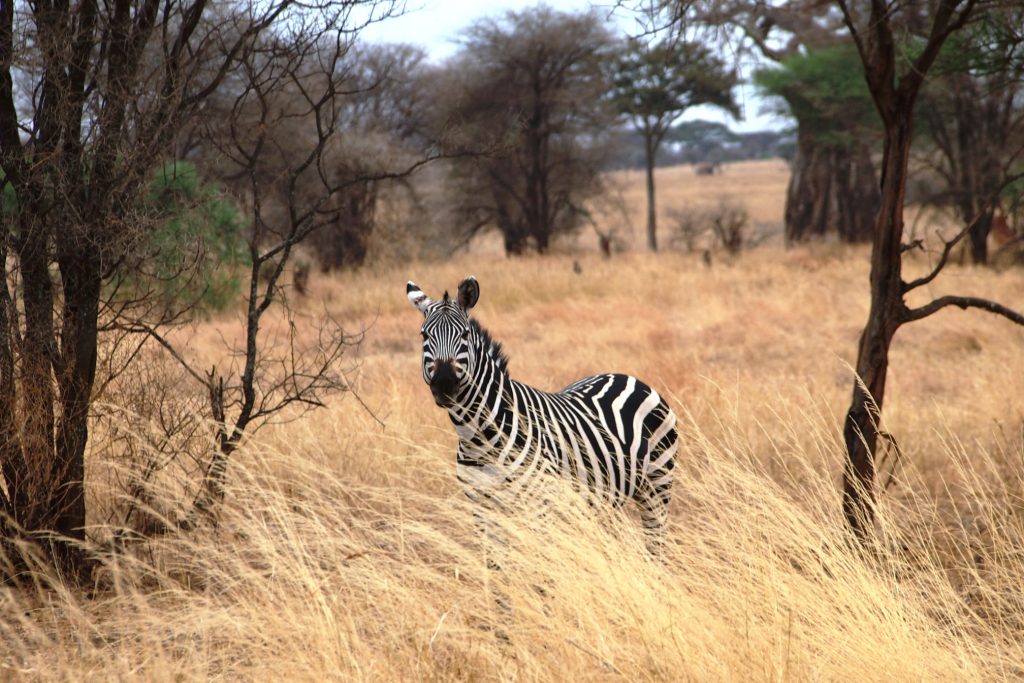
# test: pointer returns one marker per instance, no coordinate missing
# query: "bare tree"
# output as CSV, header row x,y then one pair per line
x,y
526,97
92,96
295,185
380,110
894,88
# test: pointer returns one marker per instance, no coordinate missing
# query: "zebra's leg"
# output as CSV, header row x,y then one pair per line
x,y
655,491
652,499
478,485
495,546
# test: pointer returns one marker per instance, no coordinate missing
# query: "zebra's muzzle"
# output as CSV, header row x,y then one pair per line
x,y
444,384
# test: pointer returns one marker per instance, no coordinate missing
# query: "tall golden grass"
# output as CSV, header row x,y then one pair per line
x,y
345,551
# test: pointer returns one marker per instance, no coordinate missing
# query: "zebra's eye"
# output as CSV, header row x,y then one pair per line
x,y
424,335
465,334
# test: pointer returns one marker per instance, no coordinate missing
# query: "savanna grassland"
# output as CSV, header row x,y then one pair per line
x,y
345,551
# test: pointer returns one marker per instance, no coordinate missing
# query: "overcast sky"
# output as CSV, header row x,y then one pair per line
x,y
437,24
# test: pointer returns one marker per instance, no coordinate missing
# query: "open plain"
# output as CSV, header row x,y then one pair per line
x,y
345,550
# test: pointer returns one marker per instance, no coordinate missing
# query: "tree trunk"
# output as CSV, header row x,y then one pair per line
x,y
886,314
831,188
979,236
31,492
652,225
45,468
543,241
856,197
808,192
11,463
894,99
536,209
82,275
979,186
514,235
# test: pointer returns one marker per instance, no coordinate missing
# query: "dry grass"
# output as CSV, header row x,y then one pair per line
x,y
345,550
759,185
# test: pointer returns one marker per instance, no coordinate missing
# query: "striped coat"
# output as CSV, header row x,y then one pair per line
x,y
612,435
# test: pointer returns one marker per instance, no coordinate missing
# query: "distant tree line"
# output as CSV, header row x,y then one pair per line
x,y
693,142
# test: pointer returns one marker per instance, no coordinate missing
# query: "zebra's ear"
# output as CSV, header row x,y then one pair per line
x,y
416,297
469,292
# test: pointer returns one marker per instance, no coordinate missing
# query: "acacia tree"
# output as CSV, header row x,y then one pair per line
x,y
92,96
526,99
822,173
833,187
894,84
654,83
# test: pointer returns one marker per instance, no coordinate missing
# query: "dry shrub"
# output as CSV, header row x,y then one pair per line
x,y
415,220
760,186
724,226
151,433
688,227
300,276
1009,255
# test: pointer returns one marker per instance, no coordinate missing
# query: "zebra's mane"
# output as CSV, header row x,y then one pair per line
x,y
493,348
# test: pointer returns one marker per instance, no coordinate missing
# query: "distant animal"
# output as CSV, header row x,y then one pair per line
x,y
707,168
576,267
1002,232
612,435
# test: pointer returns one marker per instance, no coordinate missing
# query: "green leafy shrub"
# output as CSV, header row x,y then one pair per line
x,y
197,254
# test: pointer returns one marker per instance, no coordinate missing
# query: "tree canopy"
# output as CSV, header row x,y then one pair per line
x,y
654,83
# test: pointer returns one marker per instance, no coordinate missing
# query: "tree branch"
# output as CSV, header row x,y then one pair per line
x,y
854,33
943,25
963,302
8,111
922,281
140,327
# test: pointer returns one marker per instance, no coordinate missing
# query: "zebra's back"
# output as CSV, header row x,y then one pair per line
x,y
635,424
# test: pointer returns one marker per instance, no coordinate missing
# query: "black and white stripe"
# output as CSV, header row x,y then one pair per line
x,y
612,435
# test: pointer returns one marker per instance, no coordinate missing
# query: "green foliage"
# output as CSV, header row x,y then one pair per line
x,y
197,253
991,46
825,90
194,254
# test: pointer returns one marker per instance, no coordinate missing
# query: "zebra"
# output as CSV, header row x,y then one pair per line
x,y
612,435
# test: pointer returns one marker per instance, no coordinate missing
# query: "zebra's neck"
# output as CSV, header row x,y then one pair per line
x,y
481,407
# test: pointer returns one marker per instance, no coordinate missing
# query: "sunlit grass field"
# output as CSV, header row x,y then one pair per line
x,y
345,550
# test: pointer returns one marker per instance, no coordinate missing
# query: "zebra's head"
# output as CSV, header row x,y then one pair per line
x,y
448,351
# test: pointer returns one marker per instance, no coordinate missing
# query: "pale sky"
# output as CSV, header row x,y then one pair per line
x,y
437,24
